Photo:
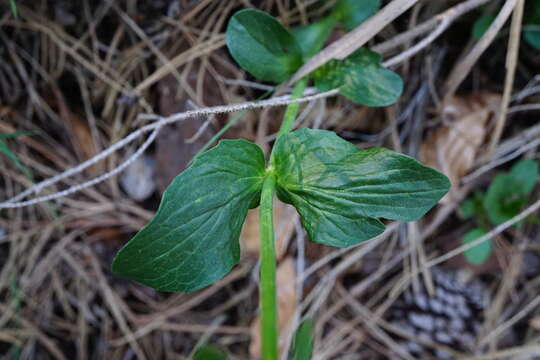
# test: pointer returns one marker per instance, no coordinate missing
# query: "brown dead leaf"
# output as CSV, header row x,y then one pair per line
x,y
284,218
78,131
285,284
453,147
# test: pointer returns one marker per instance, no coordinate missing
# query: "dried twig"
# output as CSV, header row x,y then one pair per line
x,y
463,68
511,65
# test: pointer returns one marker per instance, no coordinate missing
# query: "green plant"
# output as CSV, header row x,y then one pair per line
x,y
339,190
506,196
531,26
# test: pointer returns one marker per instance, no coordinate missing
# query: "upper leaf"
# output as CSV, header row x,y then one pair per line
x,y
361,78
262,46
193,239
340,190
311,37
352,13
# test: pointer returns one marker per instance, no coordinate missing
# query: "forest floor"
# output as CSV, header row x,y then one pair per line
x,y
75,77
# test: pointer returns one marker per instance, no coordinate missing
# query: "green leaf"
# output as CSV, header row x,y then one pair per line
x,y
480,253
525,174
468,208
532,37
481,25
502,202
312,37
531,30
340,190
262,46
352,13
507,193
209,352
303,341
361,78
193,239
472,206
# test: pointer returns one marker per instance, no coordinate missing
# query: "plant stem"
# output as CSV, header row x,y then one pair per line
x,y
268,295
268,291
292,109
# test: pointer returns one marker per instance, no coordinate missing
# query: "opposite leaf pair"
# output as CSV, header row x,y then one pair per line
x,y
268,51
340,191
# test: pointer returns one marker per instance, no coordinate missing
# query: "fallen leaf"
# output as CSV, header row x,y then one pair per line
x,y
286,296
173,150
78,130
453,147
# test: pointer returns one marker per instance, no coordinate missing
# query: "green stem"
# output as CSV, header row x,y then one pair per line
x,y
269,316
292,109
268,292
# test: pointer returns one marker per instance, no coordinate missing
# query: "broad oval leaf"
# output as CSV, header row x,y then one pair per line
x,y
361,78
340,190
193,239
352,13
262,46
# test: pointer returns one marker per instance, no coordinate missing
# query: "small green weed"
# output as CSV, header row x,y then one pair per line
x,y
506,196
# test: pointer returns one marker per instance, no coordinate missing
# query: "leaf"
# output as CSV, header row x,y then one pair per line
x,y
361,78
312,37
481,25
303,341
209,352
507,193
503,200
287,300
453,148
262,46
531,30
354,12
525,174
480,253
193,239
340,190
532,37
472,206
